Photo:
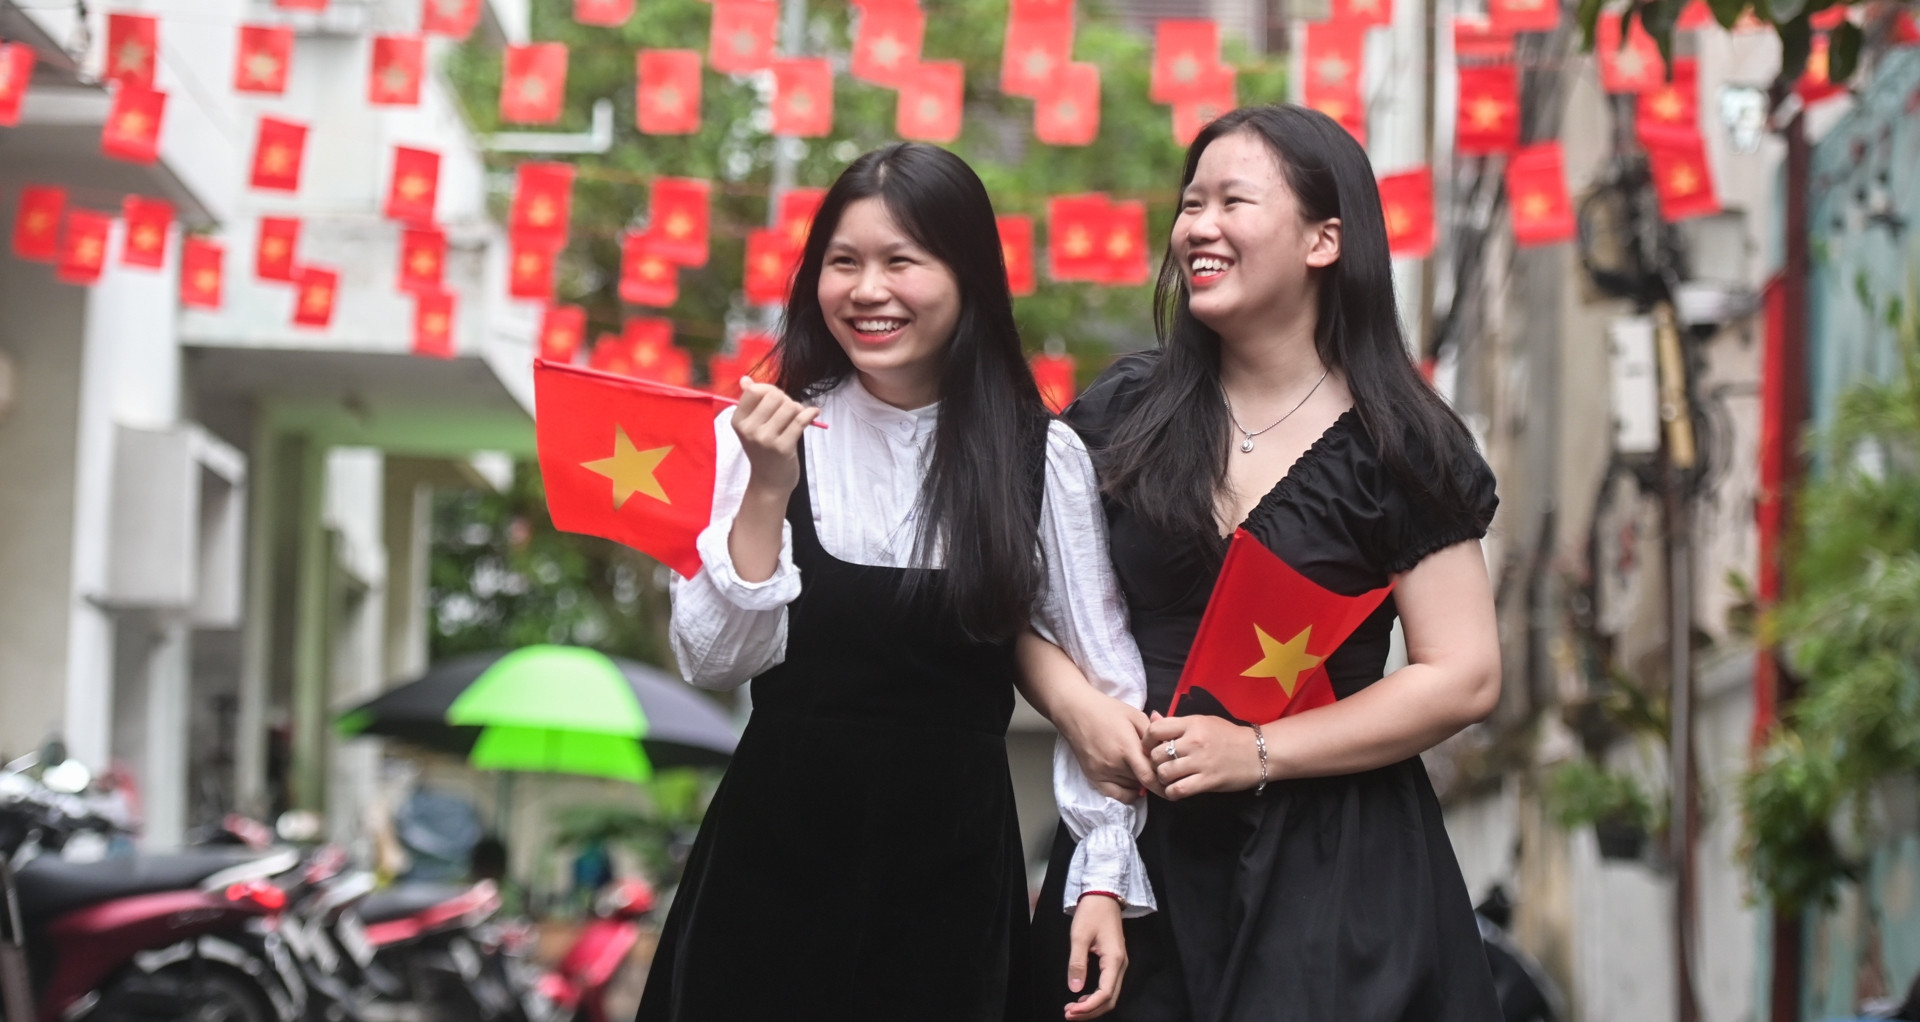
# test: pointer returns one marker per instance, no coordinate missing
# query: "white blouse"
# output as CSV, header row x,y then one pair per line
x,y
864,474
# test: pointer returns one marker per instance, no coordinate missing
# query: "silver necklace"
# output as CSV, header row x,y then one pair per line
x,y
1246,444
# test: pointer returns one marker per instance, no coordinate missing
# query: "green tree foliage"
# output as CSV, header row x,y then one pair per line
x,y
1792,19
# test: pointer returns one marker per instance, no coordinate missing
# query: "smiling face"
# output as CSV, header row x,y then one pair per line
x,y
890,304
1245,249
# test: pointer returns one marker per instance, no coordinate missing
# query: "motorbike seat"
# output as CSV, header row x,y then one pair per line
x,y
51,887
404,899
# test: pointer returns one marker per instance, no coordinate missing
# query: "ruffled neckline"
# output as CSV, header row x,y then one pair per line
x,y
1321,447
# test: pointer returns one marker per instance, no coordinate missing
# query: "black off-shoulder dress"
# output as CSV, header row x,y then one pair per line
x,y
1334,899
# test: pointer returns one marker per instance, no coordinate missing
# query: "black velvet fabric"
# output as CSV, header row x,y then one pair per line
x,y
1327,899
861,858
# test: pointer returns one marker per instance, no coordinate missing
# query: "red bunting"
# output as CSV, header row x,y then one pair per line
x,y
264,57
1183,50
433,324
201,269
1537,199
1219,95
1037,50
1040,8
148,221
1069,114
301,5
795,217
132,131
646,276
393,79
560,332
1406,202
1016,251
36,223
83,246
1509,16
1476,40
668,101
453,18
1076,232
423,261
1673,107
315,292
273,254
16,67
1816,83
1635,67
533,87
802,97
929,108
531,259
1053,374
416,183
742,37
542,201
678,220
133,48
646,350
610,355
605,13
1681,178
770,265
1125,247
1335,56
887,45
1489,110
277,152
1362,13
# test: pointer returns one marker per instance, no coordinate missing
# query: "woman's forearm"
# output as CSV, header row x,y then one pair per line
x,y
1400,716
757,534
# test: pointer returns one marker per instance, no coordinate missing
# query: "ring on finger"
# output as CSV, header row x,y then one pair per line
x,y
1172,753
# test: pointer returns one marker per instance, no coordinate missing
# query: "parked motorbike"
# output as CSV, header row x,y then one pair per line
x,y
1526,992
576,989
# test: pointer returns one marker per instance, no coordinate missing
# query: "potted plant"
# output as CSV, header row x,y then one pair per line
x,y
1583,793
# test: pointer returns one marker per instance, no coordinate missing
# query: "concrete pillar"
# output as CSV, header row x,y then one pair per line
x,y
311,598
164,773
257,632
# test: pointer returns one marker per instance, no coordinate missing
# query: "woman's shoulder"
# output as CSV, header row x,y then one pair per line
x,y
1112,394
1437,492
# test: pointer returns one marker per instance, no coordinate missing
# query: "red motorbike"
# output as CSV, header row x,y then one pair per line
x,y
577,987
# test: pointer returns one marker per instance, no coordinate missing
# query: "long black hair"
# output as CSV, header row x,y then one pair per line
x,y
1168,459
977,504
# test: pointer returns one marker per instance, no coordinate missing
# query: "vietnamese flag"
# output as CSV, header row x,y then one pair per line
x,y
1036,51
274,253
1681,179
1537,198
433,324
678,220
315,289
753,354
1816,82
148,221
1363,13
36,223
1634,67
1697,14
393,79
1016,251
1673,107
929,106
605,13
133,46
542,200
416,183
626,460
533,86
530,264
454,18
770,265
802,97
83,246
1489,111
742,36
1076,233
301,5
1220,94
1069,114
1332,65
1040,8
201,270
1477,39
667,101
263,59
16,67
1053,374
1406,201
887,46
1183,50
277,153
560,332
1126,244
423,260
646,276
794,217
1511,16
132,131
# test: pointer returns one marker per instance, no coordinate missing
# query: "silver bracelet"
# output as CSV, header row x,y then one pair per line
x,y
1260,742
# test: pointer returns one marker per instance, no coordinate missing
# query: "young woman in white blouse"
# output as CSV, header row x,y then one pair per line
x,y
861,857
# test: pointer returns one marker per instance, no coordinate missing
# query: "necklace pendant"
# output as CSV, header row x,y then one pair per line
x,y
1246,446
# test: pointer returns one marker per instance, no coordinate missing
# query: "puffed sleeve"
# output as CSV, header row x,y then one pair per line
x,y
1099,408
724,629
1415,521
1082,611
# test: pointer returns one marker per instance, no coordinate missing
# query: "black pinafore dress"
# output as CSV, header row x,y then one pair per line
x,y
861,858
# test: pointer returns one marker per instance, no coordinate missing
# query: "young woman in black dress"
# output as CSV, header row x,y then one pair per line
x,y
861,858
1302,867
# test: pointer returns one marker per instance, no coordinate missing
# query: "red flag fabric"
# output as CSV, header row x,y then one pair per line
x,y
627,460
148,221
1037,49
1511,16
611,354
1697,14
1476,40
802,97
533,87
1816,83
530,264
1264,639
277,152
1040,8
132,131
1362,13
1681,178
1674,106
1537,198
454,18
202,266
1489,111
742,38
1220,94
888,44
301,5
770,265
1016,251
263,59
753,356
83,246
133,48
1333,62
668,102
274,252
415,185
795,217
605,13
646,276
929,107
393,79
542,200
1183,50
1406,201
1125,247
423,260
433,324
1053,374
1076,230
1634,67
1069,114
315,291
16,67
678,220
36,223
560,332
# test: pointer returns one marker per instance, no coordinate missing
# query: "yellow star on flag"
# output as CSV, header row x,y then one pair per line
x,y
1332,70
1284,662
395,80
1077,243
541,211
1486,112
262,67
133,122
652,269
666,100
1667,104
1038,63
274,248
887,51
434,325
87,252
744,42
533,90
1185,68
205,280
413,186
679,225
1535,205
423,263
631,470
39,222
1118,245
1066,112
1683,180
767,265
317,299
1399,221
527,265
147,238
130,58
278,159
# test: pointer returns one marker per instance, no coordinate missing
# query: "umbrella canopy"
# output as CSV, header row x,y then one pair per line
x,y
553,709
